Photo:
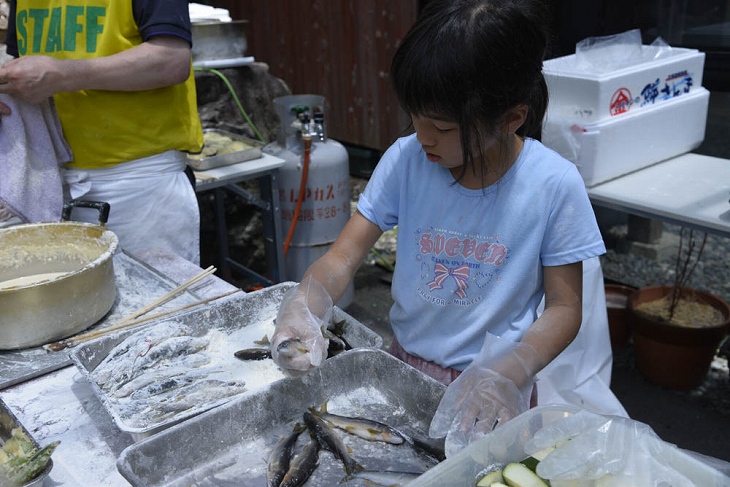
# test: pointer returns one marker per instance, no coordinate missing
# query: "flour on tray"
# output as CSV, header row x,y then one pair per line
x,y
168,371
255,373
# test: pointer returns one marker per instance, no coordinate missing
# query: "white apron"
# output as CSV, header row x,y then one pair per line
x,y
152,204
581,374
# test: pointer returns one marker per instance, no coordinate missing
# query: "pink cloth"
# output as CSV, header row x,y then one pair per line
x,y
435,371
31,149
445,375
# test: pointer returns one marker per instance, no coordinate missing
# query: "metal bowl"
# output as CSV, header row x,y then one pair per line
x,y
219,40
41,311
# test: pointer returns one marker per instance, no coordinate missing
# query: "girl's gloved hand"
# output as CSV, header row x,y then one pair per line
x,y
493,389
298,344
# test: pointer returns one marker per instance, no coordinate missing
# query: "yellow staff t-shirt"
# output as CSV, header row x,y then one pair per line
x,y
105,128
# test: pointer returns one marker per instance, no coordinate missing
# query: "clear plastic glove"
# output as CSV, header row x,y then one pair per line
x,y
298,344
617,450
493,389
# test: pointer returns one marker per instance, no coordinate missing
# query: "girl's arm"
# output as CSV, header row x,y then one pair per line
x,y
497,385
336,268
556,328
305,307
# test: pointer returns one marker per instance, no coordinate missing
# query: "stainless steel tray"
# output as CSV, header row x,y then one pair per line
x,y
231,324
229,445
137,285
8,422
210,162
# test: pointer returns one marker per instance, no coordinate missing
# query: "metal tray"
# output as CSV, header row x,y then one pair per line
x,y
239,317
8,422
229,445
211,162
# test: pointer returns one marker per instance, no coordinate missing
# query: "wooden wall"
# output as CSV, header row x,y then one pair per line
x,y
340,49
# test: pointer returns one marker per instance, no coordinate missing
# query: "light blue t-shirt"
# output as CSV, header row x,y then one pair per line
x,y
470,261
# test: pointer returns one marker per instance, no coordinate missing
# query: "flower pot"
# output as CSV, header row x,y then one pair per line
x,y
673,356
619,324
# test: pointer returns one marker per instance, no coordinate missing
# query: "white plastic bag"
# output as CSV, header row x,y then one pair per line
x,y
608,53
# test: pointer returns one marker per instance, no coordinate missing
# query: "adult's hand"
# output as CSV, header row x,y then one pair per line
x,y
31,79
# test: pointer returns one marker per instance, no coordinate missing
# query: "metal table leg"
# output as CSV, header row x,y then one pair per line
x,y
272,228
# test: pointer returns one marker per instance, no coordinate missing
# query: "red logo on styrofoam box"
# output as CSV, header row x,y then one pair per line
x,y
621,101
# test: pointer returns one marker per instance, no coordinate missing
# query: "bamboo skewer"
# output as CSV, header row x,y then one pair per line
x,y
134,319
163,299
127,324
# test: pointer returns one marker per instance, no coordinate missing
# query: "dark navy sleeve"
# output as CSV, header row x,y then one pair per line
x,y
11,40
162,17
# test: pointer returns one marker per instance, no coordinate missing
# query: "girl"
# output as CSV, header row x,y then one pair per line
x,y
489,220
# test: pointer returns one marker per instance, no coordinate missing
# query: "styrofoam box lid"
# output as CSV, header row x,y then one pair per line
x,y
593,97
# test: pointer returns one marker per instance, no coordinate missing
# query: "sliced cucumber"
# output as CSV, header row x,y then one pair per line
x,y
490,479
518,475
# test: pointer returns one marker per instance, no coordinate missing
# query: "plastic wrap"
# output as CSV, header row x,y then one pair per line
x,y
649,454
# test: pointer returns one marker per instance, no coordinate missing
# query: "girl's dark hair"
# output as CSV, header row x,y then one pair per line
x,y
470,61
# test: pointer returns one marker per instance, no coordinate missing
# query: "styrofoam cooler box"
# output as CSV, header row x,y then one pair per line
x,y
649,82
608,149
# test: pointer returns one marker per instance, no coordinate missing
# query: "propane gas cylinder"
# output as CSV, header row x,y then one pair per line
x,y
323,208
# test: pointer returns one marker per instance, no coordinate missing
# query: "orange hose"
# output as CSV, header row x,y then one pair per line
x,y
307,139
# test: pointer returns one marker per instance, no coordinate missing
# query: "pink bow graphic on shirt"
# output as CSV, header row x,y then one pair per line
x,y
460,275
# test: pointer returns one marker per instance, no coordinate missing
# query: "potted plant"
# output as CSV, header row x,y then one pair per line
x,y
617,309
677,329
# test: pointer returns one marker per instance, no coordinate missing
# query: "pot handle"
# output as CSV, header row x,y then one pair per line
x,y
101,206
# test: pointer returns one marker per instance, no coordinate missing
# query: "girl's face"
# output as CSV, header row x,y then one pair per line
x,y
496,152
441,141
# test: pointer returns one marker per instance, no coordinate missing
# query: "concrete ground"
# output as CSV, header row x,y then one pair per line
x,y
683,418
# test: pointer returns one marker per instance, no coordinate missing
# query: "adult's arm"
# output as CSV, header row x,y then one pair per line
x,y
161,61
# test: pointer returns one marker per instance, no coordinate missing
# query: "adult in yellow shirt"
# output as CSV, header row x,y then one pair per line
x,y
121,76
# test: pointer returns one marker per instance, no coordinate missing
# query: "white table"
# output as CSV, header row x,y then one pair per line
x,y
61,405
225,178
690,190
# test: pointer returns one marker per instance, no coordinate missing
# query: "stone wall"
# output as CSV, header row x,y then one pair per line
x,y
256,89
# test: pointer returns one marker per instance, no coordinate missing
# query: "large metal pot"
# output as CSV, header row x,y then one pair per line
x,y
54,307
